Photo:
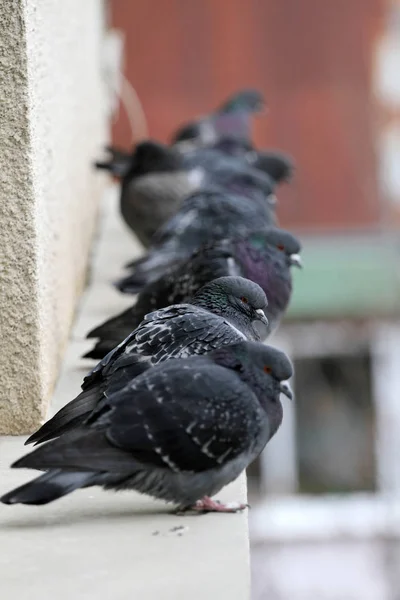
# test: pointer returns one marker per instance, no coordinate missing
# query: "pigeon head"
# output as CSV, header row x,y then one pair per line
x,y
278,165
239,301
281,243
271,362
264,368
153,157
245,100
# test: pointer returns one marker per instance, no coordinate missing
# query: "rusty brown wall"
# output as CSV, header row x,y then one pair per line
x,y
312,59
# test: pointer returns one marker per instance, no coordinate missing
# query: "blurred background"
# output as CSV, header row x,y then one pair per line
x,y
324,520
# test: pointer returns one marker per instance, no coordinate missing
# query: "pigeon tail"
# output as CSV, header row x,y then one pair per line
x,y
67,418
132,284
48,487
147,269
118,153
118,164
118,325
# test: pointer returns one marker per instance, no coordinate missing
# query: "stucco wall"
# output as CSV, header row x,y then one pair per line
x,y
53,121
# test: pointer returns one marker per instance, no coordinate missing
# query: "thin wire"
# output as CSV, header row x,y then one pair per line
x,y
134,110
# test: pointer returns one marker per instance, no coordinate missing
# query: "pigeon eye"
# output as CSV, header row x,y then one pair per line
x,y
281,247
244,300
267,369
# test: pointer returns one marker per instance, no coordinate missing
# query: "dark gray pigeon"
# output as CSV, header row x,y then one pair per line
x,y
278,165
264,257
232,119
154,181
238,205
180,431
222,312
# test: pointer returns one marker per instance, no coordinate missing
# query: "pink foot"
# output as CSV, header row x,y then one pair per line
x,y
209,505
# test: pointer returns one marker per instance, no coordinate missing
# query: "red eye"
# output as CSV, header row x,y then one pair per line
x,y
244,300
267,369
281,247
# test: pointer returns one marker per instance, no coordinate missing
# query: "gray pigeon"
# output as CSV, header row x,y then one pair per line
x,y
227,310
238,205
264,257
232,119
154,181
180,431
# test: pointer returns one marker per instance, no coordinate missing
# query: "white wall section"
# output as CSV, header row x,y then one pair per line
x,y
53,122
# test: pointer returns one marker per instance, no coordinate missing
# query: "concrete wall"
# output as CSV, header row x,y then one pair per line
x,y
52,123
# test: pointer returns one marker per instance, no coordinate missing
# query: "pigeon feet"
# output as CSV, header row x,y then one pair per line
x,y
206,504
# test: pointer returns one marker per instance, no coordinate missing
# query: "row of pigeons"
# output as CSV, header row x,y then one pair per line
x,y
186,394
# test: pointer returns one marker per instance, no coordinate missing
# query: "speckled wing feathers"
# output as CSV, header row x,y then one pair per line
x,y
179,331
162,420
197,426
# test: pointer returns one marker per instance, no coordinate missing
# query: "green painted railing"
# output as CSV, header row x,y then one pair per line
x,y
347,278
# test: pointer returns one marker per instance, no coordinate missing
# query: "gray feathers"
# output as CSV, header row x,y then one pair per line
x,y
209,214
150,200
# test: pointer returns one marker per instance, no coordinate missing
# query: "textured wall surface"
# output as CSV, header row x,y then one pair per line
x,y
53,121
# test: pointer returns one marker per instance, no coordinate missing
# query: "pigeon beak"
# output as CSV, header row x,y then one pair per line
x,y
272,200
262,316
286,389
260,324
295,259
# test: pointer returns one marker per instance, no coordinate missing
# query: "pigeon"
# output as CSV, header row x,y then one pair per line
x,y
154,181
228,154
237,205
278,165
180,431
224,296
231,119
264,257
224,311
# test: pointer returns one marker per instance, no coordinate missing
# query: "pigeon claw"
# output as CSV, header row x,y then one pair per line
x,y
206,504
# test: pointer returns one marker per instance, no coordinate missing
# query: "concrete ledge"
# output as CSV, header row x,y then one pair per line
x,y
94,544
